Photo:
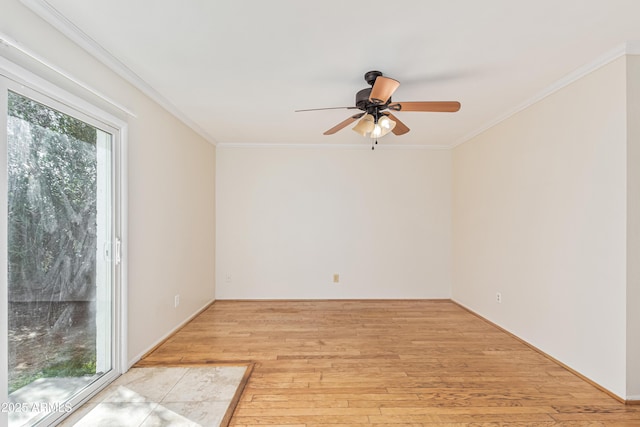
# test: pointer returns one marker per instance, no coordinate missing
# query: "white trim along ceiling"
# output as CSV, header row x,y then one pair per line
x,y
235,74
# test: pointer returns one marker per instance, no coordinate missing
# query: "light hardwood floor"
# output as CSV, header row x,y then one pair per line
x,y
395,363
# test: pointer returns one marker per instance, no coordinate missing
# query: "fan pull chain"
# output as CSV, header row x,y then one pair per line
x,y
373,147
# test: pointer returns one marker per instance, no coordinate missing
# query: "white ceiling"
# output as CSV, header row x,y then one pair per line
x,y
238,69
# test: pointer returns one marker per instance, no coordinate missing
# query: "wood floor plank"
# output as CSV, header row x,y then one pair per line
x,y
385,363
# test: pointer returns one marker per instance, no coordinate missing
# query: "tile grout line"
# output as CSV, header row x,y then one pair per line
x,y
149,414
175,384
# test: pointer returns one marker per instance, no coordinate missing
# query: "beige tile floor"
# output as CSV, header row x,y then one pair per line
x,y
163,396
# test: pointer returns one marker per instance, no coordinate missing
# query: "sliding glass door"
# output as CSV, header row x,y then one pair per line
x,y
61,255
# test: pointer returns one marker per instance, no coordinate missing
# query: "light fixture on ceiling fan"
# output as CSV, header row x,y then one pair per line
x,y
376,127
374,121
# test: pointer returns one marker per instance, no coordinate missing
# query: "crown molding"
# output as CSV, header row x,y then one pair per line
x,y
632,47
51,15
628,48
9,43
367,146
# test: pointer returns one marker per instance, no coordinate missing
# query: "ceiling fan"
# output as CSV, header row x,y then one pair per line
x,y
375,120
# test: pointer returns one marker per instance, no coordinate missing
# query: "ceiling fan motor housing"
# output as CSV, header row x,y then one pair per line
x,y
371,76
364,103
362,98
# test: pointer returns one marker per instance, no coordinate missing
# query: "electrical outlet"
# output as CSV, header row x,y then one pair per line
x,y
176,301
336,278
498,297
228,278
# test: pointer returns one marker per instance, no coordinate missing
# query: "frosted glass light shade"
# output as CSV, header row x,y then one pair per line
x,y
386,125
365,125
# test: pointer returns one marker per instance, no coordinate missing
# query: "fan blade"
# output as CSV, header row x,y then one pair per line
x,y
382,89
433,106
343,124
400,128
329,108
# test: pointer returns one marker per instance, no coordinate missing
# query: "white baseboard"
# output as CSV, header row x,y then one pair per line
x,y
137,358
548,356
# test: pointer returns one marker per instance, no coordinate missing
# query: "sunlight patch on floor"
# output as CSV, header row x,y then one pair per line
x,y
163,396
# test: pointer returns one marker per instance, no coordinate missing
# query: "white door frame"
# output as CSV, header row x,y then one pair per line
x,y
23,81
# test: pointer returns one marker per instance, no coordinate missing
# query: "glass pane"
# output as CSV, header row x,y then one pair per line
x,y
59,240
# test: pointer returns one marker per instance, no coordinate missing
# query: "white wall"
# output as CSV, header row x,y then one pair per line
x,y
633,227
171,188
540,216
171,226
289,218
